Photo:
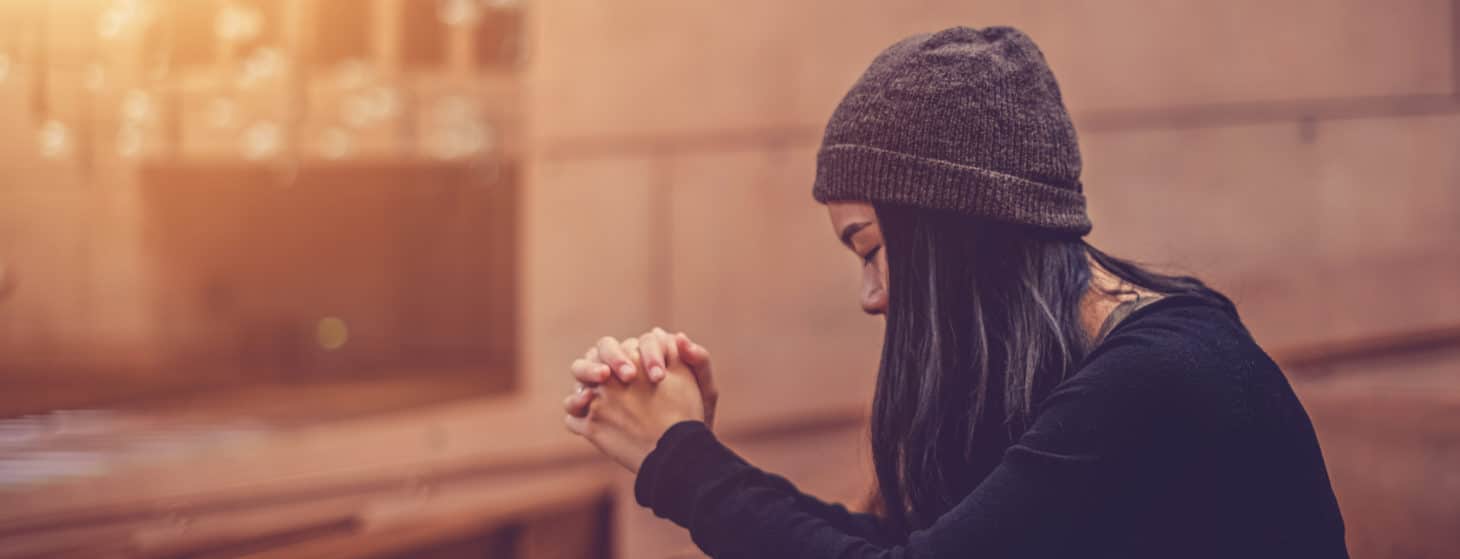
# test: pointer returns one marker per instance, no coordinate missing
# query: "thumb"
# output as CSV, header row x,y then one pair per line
x,y
692,353
698,359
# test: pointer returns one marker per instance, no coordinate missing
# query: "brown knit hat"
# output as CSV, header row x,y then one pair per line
x,y
968,120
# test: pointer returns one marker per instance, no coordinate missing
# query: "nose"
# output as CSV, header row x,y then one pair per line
x,y
874,300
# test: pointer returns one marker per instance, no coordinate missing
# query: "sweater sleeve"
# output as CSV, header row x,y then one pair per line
x,y
1093,436
703,448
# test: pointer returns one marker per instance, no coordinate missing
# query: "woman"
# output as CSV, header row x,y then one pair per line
x,y
1036,396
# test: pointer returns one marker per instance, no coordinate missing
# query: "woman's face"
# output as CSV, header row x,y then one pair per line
x,y
855,224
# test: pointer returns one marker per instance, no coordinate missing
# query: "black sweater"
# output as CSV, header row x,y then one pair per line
x,y
1178,437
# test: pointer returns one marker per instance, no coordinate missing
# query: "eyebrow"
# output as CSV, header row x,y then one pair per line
x,y
852,229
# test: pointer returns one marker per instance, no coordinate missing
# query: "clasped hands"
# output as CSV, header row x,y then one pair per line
x,y
629,392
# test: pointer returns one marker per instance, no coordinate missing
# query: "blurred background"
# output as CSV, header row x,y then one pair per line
x,y
303,278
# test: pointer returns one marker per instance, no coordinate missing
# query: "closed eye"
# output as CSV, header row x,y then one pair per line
x,y
871,255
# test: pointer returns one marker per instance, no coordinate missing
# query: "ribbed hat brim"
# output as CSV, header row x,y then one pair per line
x,y
864,173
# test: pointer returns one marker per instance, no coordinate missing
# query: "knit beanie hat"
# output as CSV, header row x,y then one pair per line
x,y
967,120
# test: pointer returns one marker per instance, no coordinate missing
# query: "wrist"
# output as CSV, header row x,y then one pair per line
x,y
668,421
635,460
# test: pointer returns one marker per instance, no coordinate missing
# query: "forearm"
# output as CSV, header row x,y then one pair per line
x,y
699,484
734,510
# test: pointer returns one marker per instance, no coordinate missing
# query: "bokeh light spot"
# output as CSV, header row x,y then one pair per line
x,y
332,333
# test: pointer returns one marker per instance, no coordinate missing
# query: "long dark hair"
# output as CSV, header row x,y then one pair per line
x,y
983,319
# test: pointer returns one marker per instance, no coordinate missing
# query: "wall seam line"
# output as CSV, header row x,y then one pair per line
x,y
1098,121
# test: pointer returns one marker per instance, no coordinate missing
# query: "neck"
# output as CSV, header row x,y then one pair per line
x,y
1106,291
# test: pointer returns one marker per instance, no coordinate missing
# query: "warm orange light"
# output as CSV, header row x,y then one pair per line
x,y
332,333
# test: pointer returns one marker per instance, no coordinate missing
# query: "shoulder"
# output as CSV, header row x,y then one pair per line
x,y
1180,334
1170,367
1183,357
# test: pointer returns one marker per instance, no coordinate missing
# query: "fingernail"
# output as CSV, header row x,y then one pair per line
x,y
657,372
626,369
